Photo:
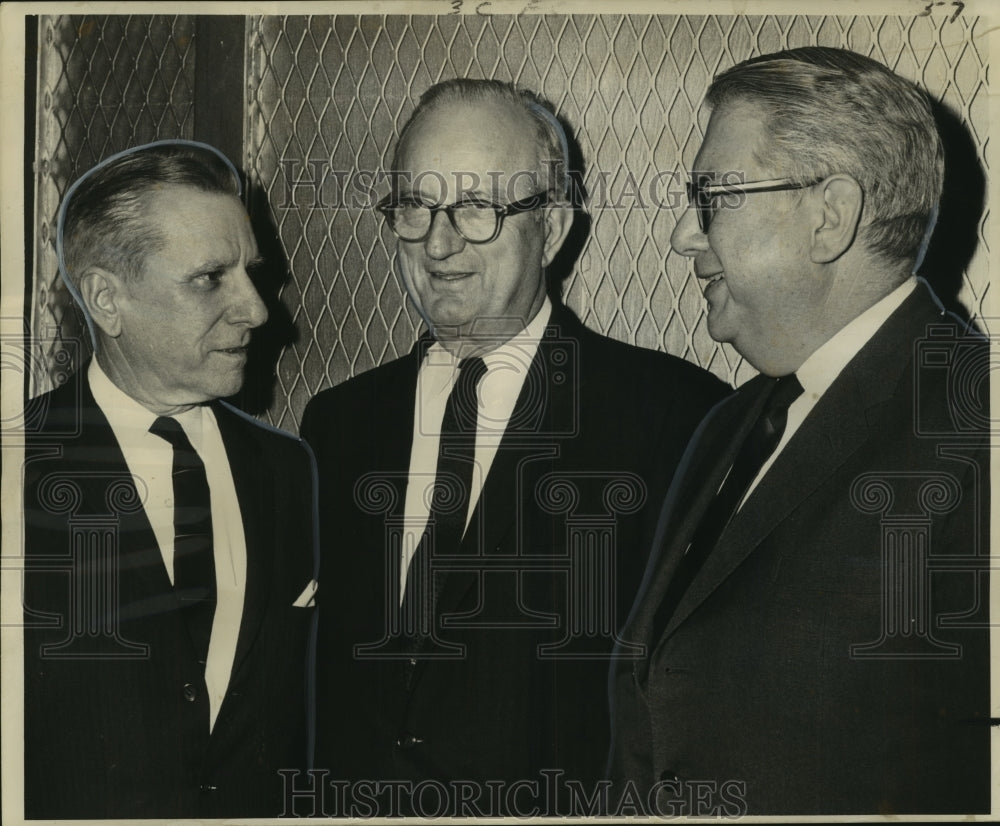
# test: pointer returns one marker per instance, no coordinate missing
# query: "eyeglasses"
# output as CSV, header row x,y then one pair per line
x,y
477,221
702,195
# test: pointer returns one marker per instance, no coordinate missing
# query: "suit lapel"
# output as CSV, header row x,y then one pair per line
x,y
697,479
144,587
833,431
253,495
836,429
497,508
392,436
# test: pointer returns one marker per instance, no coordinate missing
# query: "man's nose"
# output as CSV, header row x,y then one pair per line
x,y
687,237
443,239
247,306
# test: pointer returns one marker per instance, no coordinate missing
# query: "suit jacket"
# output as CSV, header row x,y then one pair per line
x,y
594,435
115,703
831,656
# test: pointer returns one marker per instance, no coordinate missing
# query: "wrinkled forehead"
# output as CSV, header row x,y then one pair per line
x,y
487,149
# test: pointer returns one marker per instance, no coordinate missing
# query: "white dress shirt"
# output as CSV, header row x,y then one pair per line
x,y
506,368
150,461
827,362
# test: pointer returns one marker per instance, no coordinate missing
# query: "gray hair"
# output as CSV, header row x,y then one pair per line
x,y
549,135
835,111
104,216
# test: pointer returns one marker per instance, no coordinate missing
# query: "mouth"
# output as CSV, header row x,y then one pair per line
x,y
440,275
238,352
709,280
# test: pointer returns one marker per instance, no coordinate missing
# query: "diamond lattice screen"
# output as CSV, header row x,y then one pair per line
x,y
105,83
327,96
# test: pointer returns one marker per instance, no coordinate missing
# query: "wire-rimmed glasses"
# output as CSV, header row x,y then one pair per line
x,y
703,194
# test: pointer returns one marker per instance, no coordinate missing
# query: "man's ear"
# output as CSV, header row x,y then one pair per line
x,y
101,292
841,206
558,219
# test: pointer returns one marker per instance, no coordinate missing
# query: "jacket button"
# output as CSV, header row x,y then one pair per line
x,y
668,775
407,741
190,692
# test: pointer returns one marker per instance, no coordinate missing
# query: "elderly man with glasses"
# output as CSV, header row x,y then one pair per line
x,y
815,611
485,495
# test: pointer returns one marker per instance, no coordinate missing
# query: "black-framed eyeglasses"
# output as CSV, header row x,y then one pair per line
x,y
704,196
477,221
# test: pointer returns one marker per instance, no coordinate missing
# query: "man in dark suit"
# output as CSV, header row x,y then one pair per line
x,y
169,539
815,613
482,497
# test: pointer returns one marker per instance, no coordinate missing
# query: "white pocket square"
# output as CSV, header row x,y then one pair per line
x,y
307,599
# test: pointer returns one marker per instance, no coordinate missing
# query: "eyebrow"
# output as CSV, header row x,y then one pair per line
x,y
483,192
213,264
210,265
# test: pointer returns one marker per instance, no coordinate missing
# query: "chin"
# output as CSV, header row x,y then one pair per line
x,y
718,335
223,389
446,326
721,329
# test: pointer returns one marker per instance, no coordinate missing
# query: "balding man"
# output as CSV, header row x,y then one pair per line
x,y
483,496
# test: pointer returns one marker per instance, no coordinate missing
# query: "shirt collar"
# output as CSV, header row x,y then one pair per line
x,y
518,345
525,343
128,417
818,371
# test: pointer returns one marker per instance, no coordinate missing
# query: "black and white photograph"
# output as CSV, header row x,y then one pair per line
x,y
475,410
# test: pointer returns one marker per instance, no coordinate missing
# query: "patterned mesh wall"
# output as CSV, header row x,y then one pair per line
x,y
105,83
334,91
327,97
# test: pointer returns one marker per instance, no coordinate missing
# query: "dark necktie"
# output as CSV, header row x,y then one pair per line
x,y
194,558
755,451
450,499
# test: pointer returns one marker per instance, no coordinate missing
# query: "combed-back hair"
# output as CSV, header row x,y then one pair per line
x,y
834,111
105,222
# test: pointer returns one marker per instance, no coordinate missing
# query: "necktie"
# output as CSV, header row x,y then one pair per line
x,y
757,447
194,558
450,499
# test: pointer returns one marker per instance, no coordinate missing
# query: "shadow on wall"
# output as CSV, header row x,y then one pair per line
x,y
565,260
963,201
